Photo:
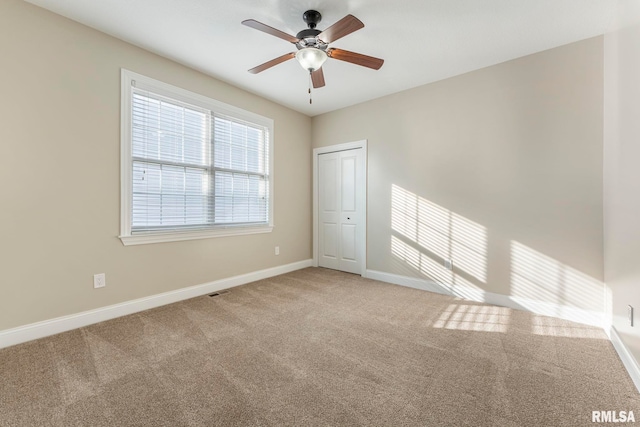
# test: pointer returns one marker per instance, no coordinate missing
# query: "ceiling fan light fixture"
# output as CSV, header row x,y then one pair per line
x,y
311,58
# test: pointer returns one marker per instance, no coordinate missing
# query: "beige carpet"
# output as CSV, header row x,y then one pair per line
x,y
317,347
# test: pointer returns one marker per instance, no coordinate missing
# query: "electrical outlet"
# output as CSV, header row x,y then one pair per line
x,y
448,264
277,250
630,314
99,280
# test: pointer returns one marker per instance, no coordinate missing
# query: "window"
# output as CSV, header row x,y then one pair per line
x,y
192,167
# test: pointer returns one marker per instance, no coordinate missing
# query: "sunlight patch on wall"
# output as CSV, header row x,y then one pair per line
x,y
546,286
424,264
440,231
547,326
420,262
474,318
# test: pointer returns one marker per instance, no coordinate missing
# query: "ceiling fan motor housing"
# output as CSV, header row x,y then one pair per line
x,y
309,36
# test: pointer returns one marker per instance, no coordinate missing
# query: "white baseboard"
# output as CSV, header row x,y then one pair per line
x,y
627,358
474,294
411,282
45,328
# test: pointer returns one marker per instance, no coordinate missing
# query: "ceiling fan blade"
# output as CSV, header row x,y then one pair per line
x,y
269,64
270,30
317,77
343,27
355,58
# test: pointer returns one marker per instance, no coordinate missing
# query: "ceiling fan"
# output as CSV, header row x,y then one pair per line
x,y
313,45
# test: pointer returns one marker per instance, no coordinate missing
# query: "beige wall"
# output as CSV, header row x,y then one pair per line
x,y
59,180
499,169
622,171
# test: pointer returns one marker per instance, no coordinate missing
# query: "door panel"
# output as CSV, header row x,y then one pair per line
x,y
349,242
328,207
328,186
341,210
330,243
348,184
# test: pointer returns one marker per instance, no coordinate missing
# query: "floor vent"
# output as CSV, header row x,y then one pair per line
x,y
215,294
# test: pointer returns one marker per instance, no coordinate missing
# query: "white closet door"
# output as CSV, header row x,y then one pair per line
x,y
341,226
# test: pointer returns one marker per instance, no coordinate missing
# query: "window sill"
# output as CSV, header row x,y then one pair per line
x,y
176,236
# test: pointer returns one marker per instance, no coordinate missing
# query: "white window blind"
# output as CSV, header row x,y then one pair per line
x,y
240,171
194,168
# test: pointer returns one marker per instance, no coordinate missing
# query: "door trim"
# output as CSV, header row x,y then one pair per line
x,y
362,246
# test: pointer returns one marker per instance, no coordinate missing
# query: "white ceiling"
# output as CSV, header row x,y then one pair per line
x,y
421,41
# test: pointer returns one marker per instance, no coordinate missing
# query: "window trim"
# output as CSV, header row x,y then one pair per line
x,y
128,79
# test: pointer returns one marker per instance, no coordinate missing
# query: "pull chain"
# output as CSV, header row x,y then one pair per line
x,y
310,100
